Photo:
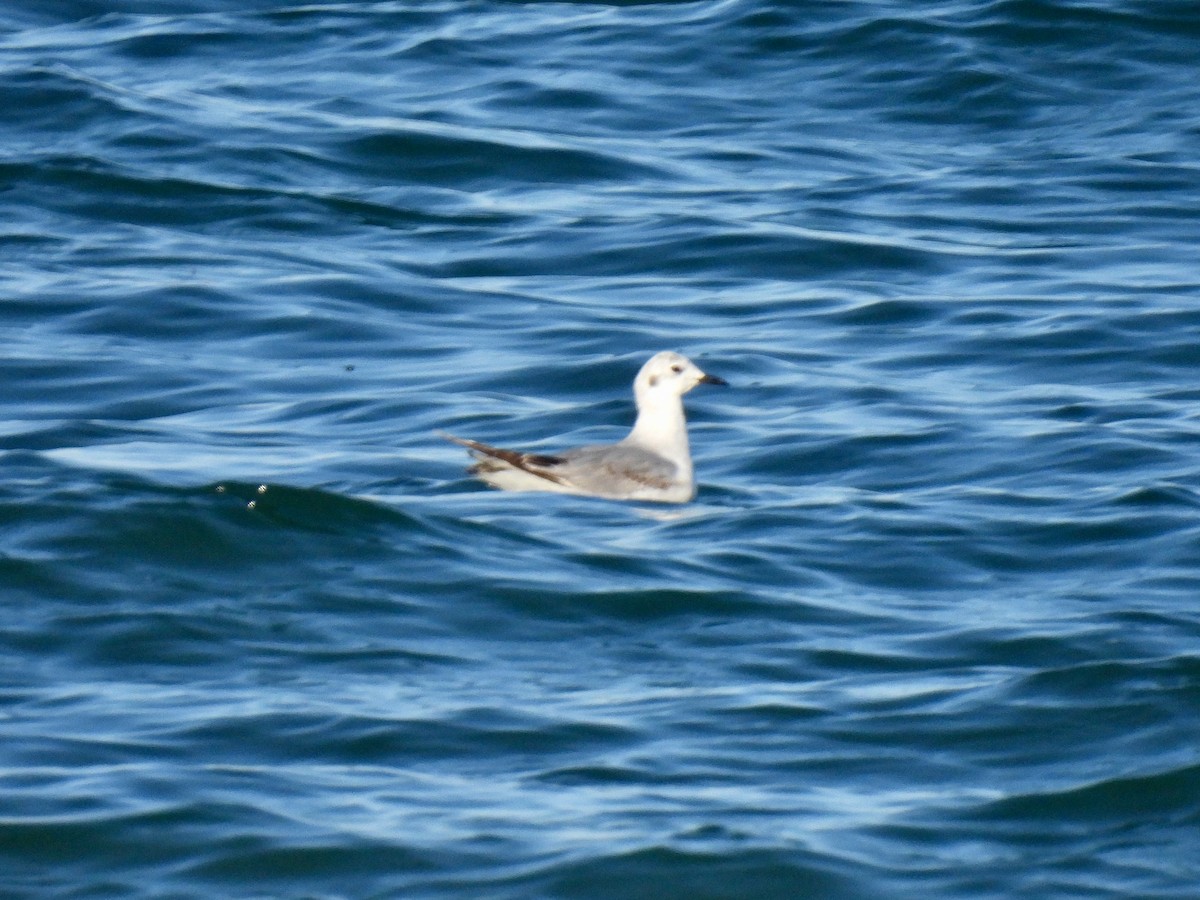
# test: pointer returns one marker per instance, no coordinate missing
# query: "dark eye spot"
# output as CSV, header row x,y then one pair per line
x,y
676,369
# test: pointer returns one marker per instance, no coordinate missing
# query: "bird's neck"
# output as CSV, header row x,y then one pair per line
x,y
661,427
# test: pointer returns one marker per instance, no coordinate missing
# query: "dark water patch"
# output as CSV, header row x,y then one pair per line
x,y
295,855
716,250
1175,355
768,716
1026,22
240,542
1159,496
768,564
614,563
327,863
310,509
178,39
69,11
97,190
49,398
592,776
43,97
470,736
145,639
669,872
1161,797
797,257
878,462
454,217
1004,648
1080,541
892,313
624,604
93,755
435,157
179,311
909,562
28,579
125,838
1117,685
801,456
149,641
870,660
904,37
525,94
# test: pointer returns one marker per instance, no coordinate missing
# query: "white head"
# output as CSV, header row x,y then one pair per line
x,y
666,376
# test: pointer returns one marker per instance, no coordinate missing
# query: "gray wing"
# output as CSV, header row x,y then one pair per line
x,y
616,469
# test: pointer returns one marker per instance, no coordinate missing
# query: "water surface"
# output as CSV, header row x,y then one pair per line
x,y
930,628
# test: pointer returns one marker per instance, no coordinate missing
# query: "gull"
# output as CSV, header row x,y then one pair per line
x,y
652,463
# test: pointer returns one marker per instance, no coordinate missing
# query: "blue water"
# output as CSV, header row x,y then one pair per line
x,y
931,628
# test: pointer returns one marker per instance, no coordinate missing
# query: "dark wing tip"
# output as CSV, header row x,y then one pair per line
x,y
524,461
